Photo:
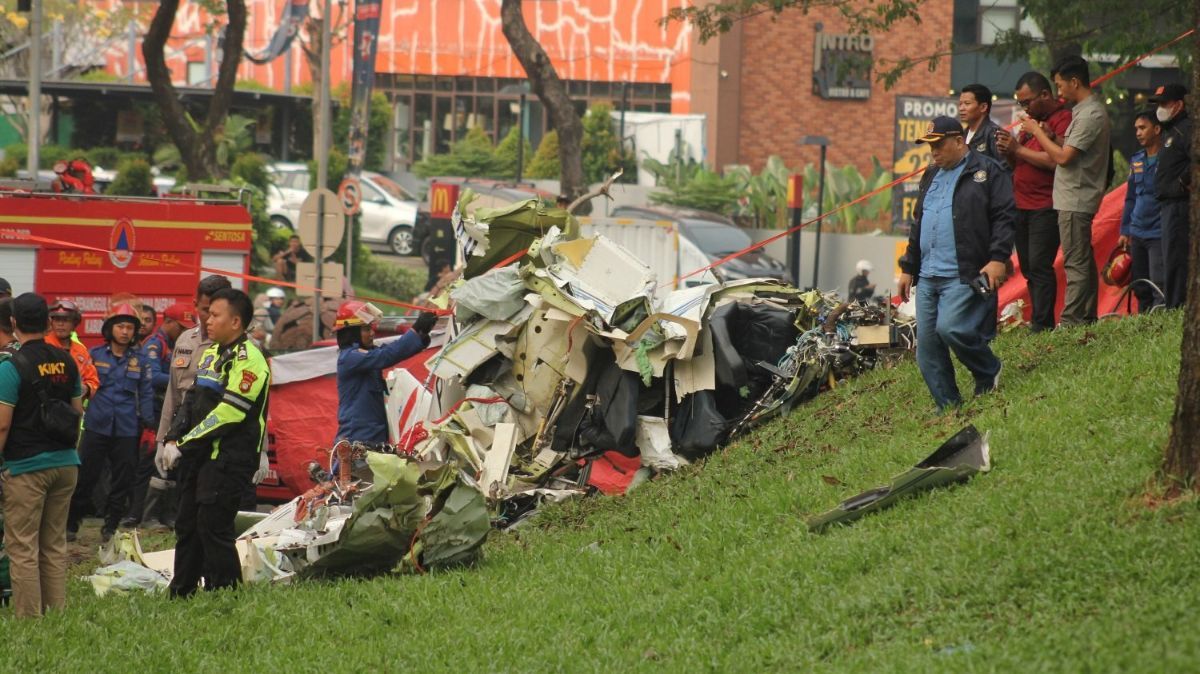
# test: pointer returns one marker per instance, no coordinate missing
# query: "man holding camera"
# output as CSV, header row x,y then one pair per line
x,y
957,250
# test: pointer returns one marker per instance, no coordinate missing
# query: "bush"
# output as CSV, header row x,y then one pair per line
x,y
133,179
506,154
251,169
52,154
388,279
601,149
9,167
17,152
545,162
106,157
471,156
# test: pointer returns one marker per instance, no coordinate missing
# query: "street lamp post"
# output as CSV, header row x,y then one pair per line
x,y
823,142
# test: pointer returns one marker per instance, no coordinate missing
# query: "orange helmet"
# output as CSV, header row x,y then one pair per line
x,y
122,313
1119,269
354,314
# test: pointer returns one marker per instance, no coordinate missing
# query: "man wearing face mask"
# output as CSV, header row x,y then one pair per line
x,y
1173,187
1033,188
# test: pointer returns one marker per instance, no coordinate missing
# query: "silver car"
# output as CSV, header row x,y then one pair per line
x,y
389,212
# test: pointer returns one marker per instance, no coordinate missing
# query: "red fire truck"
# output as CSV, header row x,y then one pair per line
x,y
85,248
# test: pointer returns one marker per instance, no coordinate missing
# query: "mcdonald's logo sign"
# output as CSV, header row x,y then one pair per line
x,y
442,199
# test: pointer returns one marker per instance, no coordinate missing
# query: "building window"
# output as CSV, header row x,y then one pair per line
x,y
427,123
197,73
997,18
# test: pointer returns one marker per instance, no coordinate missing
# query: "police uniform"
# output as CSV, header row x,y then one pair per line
x,y
157,350
220,431
1173,187
116,415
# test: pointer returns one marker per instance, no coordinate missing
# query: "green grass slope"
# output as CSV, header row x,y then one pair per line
x,y
1050,563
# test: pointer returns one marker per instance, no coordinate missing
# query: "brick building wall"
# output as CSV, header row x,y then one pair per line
x,y
778,106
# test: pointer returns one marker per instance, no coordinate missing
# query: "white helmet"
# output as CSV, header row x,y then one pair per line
x,y
275,291
864,266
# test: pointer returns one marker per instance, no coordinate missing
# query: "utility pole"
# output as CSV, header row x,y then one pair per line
x,y
823,142
35,90
322,153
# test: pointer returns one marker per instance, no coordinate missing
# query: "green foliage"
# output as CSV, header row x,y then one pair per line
x,y
99,75
763,197
251,169
1120,170
17,152
103,156
506,154
378,124
843,185
471,156
51,154
1052,562
602,151
234,138
9,167
133,179
338,163
387,279
545,162
705,190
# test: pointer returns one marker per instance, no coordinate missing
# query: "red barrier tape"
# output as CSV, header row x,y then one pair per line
x,y
761,244
223,272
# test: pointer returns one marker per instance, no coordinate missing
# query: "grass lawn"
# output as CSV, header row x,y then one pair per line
x,y
1052,562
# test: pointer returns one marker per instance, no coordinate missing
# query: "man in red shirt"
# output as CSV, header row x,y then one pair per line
x,y
1033,185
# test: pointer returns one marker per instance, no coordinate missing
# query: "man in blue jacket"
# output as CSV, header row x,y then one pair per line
x,y
116,415
362,415
1141,224
956,255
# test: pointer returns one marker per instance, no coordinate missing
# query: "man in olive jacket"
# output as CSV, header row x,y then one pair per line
x,y
956,255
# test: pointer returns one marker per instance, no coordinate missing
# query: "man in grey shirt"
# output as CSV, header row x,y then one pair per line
x,y
1082,157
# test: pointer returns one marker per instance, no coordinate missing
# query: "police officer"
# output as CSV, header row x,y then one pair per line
x,y
216,440
40,460
116,415
1173,186
184,359
177,318
362,415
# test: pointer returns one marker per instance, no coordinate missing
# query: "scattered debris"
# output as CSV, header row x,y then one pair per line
x,y
956,460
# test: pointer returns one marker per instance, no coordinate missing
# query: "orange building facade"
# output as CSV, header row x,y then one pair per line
x,y
447,67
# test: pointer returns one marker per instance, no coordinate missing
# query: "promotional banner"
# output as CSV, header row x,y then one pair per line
x,y
366,39
294,14
913,115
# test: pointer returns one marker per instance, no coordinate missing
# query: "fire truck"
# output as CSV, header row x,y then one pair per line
x,y
85,248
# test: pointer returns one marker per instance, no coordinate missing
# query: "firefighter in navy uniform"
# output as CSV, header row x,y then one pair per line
x,y
216,438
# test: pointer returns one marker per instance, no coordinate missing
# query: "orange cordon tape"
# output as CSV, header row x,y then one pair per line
x,y
14,234
760,244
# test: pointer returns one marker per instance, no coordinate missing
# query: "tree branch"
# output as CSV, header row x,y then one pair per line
x,y
601,191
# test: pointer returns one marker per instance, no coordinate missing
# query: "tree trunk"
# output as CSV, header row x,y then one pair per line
x,y
552,92
198,148
1181,462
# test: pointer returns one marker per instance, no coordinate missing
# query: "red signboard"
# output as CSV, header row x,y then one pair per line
x,y
88,250
443,197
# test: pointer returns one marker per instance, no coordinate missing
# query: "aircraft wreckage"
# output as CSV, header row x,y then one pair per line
x,y
567,370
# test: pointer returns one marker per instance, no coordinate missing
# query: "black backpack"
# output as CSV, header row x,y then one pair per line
x,y
58,418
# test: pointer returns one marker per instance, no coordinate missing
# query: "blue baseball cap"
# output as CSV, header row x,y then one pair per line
x,y
940,128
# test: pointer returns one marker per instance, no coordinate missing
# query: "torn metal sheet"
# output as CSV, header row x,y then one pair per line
x,y
494,477
497,295
601,275
470,349
956,460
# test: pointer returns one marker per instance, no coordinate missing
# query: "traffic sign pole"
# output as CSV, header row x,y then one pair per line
x,y
320,258
350,250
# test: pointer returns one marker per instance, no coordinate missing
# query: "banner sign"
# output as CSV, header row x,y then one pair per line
x,y
294,14
913,115
366,43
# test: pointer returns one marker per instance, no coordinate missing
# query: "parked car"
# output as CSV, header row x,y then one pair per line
x,y
389,212
714,236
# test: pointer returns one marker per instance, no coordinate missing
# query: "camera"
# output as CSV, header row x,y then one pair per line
x,y
982,286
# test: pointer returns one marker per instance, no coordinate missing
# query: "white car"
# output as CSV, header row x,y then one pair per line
x,y
389,212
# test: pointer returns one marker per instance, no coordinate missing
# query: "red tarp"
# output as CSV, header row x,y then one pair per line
x,y
303,422
1106,227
